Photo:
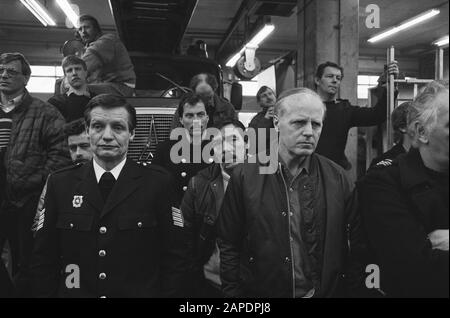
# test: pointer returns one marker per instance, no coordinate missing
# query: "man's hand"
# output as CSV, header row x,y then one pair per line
x,y
269,113
439,239
390,69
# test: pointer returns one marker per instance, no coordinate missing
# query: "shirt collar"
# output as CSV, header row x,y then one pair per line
x,y
83,92
99,171
13,103
304,165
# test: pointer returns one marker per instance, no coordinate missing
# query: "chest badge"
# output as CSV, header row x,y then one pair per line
x,y
77,201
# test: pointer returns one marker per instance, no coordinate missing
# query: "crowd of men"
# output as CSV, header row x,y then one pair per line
x,y
83,220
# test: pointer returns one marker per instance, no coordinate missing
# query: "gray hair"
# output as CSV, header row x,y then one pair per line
x,y
293,92
423,109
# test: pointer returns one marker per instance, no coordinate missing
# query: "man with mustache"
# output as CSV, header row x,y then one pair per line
x,y
201,206
71,104
282,234
341,115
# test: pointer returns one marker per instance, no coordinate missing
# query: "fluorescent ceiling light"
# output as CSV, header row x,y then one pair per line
x,y
39,12
405,25
68,11
442,41
254,43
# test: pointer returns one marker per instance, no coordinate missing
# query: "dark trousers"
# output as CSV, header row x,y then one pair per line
x,y
16,228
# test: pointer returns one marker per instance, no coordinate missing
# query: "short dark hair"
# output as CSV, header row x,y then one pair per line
x,y
75,128
95,24
321,68
261,91
191,99
10,57
72,60
400,120
236,123
210,79
108,101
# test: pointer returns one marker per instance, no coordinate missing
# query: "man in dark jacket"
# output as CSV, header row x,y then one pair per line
x,y
341,115
106,227
193,119
218,109
282,234
72,103
405,205
266,98
32,145
200,208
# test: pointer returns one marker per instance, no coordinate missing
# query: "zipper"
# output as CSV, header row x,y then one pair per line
x,y
290,233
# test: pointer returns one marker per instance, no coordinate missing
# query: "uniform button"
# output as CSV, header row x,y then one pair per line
x,y
102,253
103,230
184,188
102,276
211,160
139,224
290,189
184,174
183,160
291,214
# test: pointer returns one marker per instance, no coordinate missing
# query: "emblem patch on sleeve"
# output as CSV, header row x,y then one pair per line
x,y
177,217
39,217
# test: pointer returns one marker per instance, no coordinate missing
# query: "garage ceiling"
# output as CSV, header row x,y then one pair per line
x,y
20,31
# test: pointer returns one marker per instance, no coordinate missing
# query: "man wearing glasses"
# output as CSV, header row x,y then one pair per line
x,y
32,144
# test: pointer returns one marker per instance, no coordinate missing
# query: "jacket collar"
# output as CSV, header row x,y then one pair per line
x,y
125,185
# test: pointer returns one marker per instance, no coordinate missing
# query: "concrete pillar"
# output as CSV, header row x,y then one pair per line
x,y
328,31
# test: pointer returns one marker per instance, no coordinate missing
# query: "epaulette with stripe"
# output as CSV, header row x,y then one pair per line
x,y
384,163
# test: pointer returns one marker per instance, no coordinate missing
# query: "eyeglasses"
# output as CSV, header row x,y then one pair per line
x,y
10,72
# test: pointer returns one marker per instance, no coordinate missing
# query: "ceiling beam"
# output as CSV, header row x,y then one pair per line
x,y
246,8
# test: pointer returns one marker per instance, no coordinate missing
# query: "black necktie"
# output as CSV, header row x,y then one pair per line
x,y
106,184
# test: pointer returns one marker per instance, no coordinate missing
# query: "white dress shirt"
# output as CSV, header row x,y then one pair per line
x,y
99,171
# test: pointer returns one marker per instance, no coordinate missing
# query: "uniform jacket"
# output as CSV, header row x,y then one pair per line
x,y
37,147
254,239
400,207
391,154
122,247
181,172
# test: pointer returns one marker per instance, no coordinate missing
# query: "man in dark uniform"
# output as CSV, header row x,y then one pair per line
x,y
106,224
341,115
191,109
405,205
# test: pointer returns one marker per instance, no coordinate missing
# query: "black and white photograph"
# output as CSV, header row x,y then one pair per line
x,y
227,156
